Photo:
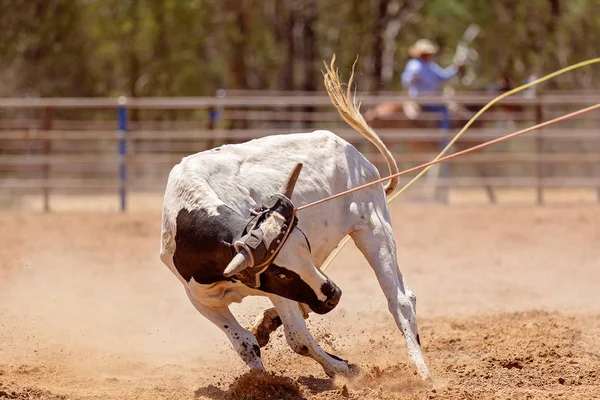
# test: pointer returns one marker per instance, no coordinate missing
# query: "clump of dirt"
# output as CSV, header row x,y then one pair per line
x,y
27,394
257,385
377,383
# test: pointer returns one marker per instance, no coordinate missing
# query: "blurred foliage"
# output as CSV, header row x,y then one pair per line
x,y
194,47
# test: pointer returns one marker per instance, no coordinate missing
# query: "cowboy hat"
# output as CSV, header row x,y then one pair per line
x,y
422,46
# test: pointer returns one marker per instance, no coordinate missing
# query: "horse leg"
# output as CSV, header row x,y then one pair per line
x,y
488,188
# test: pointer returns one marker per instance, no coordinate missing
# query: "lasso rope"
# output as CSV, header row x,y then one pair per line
x,y
454,155
438,158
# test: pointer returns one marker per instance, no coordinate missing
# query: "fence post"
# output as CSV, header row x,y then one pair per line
x,y
46,127
445,171
595,173
539,148
215,115
122,129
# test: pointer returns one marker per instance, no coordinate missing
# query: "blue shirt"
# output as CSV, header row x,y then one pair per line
x,y
430,74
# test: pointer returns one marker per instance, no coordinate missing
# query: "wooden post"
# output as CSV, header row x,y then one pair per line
x,y
539,148
47,150
596,169
220,111
595,175
213,116
445,170
122,129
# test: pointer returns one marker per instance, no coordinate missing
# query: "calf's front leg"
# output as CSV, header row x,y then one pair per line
x,y
300,339
265,324
376,241
243,341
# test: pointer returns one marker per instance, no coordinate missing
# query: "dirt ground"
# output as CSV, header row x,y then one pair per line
x,y
508,306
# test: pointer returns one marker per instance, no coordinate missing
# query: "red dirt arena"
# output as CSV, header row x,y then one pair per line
x,y
508,307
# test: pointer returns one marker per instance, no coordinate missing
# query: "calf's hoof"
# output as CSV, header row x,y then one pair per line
x,y
265,324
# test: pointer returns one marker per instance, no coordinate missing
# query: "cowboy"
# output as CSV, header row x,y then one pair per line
x,y
422,76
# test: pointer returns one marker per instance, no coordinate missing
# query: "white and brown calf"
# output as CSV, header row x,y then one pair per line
x,y
206,210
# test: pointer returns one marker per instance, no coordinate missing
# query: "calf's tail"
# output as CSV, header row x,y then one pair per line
x,y
345,102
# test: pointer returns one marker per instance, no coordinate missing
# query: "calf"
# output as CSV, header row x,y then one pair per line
x,y
229,230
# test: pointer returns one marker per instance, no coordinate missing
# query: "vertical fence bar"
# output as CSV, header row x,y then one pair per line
x,y
596,176
46,127
539,148
596,169
122,129
445,171
213,116
219,113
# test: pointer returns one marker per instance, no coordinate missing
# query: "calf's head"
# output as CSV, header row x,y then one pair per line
x,y
274,256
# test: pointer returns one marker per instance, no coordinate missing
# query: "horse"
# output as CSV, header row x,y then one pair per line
x,y
408,115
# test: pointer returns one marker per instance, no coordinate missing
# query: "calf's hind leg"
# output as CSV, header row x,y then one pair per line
x,y
376,241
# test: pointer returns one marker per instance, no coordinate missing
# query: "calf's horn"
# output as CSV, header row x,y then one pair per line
x,y
237,265
288,186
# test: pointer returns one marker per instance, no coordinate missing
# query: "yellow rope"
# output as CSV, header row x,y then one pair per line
x,y
341,245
